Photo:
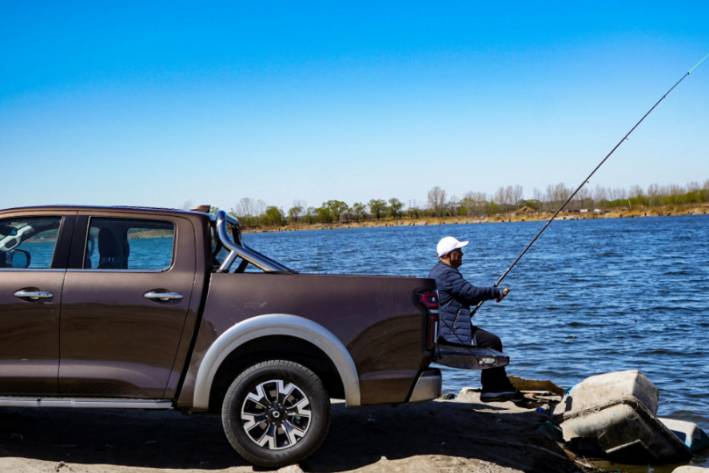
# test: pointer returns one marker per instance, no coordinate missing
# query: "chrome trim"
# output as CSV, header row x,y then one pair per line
x,y
94,403
228,261
34,295
124,271
163,296
427,387
276,324
244,252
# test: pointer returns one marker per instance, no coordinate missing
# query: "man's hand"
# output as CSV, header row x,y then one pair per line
x,y
503,293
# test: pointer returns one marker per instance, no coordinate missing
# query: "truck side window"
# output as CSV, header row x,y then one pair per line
x,y
28,243
124,244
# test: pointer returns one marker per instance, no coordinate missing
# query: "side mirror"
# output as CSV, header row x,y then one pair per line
x,y
20,259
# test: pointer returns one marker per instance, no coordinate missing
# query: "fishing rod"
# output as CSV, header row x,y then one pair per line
x,y
586,180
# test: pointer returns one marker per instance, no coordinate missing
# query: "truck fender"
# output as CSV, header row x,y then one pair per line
x,y
276,324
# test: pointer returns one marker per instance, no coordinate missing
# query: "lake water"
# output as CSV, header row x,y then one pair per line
x,y
592,296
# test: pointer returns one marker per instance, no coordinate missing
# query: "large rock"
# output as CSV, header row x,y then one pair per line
x,y
616,412
609,388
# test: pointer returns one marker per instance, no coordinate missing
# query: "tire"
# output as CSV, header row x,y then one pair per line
x,y
272,431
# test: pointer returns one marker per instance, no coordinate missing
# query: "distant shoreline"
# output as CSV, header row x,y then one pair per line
x,y
517,216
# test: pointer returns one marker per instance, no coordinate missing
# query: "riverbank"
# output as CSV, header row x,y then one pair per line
x,y
461,434
524,215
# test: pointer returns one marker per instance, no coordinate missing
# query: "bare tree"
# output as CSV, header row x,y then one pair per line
x,y
654,191
556,194
636,191
674,189
437,200
473,203
517,194
500,196
617,193
583,198
509,195
259,207
600,194
693,186
245,207
453,205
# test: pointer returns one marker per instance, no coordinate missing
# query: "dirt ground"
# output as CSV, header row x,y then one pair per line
x,y
438,436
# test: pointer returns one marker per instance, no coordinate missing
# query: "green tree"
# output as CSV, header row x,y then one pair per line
x,y
323,214
338,209
414,212
294,213
359,211
395,206
310,215
377,208
273,216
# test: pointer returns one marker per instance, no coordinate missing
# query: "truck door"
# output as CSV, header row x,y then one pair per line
x,y
31,275
125,306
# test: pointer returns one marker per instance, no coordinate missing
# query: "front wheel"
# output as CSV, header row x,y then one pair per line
x,y
275,413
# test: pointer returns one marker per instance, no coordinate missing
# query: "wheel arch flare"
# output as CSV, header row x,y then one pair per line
x,y
267,325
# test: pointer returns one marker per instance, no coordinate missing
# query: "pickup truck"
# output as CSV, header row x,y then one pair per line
x,y
147,308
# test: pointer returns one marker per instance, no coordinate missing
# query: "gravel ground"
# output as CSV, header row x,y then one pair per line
x,y
439,436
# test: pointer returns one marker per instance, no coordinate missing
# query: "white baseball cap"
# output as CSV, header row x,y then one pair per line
x,y
448,244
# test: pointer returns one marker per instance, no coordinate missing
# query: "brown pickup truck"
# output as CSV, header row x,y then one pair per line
x,y
126,307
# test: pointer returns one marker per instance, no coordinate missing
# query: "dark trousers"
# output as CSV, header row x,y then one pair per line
x,y
492,379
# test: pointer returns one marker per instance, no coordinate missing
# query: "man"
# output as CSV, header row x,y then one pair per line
x,y
455,297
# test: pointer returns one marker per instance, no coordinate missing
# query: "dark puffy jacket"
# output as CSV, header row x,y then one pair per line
x,y
455,296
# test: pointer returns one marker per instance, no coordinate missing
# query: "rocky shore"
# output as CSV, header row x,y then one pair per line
x,y
460,434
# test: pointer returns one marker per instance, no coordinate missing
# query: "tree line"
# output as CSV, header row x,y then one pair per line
x,y
507,199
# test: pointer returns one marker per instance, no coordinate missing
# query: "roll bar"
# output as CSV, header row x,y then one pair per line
x,y
237,248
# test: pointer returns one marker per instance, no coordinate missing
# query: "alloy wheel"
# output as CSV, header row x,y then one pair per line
x,y
276,414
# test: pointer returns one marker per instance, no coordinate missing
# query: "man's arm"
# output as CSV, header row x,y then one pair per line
x,y
464,291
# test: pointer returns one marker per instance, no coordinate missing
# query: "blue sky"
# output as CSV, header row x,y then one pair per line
x,y
158,103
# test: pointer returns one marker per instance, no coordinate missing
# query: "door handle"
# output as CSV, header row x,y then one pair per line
x,y
160,296
34,295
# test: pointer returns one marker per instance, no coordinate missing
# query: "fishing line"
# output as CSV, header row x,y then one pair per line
x,y
585,181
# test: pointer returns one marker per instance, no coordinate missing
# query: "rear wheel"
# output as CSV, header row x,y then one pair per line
x,y
275,413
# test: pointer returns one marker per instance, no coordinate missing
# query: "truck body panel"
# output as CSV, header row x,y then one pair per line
x,y
375,317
